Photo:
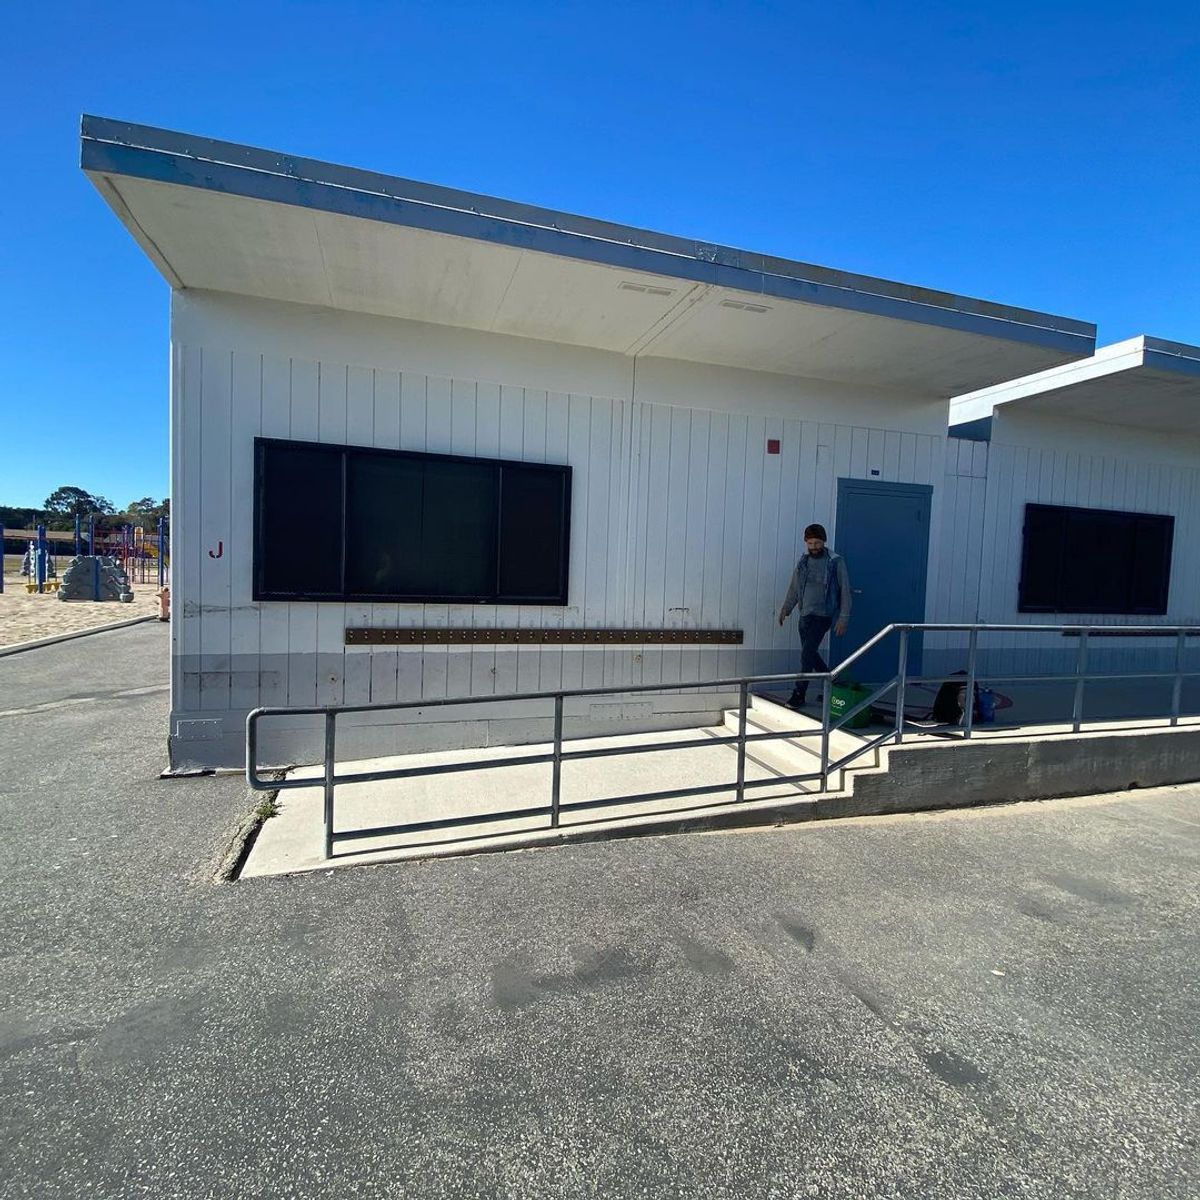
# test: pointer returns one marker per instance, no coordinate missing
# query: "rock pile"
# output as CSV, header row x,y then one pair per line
x,y
89,574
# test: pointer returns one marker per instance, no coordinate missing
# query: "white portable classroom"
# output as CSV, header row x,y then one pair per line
x,y
1084,508
709,403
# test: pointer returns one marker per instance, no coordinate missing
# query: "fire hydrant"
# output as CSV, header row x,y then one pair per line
x,y
164,603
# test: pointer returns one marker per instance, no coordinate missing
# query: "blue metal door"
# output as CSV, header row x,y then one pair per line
x,y
883,534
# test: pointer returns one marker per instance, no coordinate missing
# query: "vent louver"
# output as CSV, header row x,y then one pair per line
x,y
745,306
647,289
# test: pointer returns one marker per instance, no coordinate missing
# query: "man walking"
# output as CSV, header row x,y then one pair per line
x,y
821,587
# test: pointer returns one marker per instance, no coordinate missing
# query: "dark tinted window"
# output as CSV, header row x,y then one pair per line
x,y
1153,537
385,503
1041,563
414,526
299,527
420,527
1086,560
532,533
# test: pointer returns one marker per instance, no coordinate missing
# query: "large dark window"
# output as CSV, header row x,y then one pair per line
x,y
349,523
1090,560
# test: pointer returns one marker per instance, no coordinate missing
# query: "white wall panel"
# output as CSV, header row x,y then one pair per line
x,y
360,431
302,617
482,661
245,634
386,409
332,426
273,619
186,534
216,538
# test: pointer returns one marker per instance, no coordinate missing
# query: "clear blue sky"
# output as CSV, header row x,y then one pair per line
x,y
1040,155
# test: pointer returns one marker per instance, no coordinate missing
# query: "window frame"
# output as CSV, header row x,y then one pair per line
x,y
1167,521
343,453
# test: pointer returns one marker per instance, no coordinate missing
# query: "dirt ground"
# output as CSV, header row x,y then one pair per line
x,y
25,617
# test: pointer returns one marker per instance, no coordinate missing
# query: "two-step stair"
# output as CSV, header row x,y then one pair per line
x,y
798,755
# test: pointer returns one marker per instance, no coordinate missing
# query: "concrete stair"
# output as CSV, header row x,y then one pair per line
x,y
799,755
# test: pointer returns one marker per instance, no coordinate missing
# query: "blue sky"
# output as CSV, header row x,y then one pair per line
x,y
1039,155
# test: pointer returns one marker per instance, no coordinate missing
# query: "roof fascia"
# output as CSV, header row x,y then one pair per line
x,y
973,406
1175,358
119,149
1142,353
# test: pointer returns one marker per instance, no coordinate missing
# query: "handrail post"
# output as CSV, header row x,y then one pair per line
x,y
556,769
1177,688
969,698
901,683
1081,664
251,748
743,701
330,718
826,689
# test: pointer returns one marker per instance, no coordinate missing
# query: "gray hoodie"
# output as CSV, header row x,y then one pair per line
x,y
837,587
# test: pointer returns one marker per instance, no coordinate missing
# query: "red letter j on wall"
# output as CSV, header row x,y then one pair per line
x,y
220,551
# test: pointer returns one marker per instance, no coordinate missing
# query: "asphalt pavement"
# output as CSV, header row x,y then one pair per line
x,y
990,1003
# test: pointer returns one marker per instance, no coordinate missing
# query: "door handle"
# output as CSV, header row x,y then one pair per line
x,y
856,591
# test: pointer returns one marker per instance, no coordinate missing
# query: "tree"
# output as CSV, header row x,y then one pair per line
x,y
19,518
75,502
146,511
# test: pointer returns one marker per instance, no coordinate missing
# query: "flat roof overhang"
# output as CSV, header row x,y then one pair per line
x,y
223,217
1145,382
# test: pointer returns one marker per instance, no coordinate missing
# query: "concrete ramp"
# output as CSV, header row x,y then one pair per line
x,y
929,770
293,840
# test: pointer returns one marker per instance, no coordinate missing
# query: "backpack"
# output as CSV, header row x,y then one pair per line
x,y
948,703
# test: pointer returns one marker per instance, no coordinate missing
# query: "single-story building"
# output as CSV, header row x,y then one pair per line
x,y
1088,505
426,443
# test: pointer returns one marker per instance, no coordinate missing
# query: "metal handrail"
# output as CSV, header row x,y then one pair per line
x,y
329,779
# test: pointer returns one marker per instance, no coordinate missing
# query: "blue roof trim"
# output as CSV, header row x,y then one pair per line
x,y
115,148
1156,358
979,430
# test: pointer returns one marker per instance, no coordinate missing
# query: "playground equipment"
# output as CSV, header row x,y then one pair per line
x,y
95,577
137,553
40,573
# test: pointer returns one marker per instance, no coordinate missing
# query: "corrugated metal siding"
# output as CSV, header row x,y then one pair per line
x,y
679,518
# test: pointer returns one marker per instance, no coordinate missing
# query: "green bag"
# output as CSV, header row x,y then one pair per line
x,y
842,698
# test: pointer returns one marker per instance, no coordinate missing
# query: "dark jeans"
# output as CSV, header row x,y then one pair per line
x,y
812,632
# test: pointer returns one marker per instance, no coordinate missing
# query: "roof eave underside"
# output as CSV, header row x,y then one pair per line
x,y
1143,383
113,149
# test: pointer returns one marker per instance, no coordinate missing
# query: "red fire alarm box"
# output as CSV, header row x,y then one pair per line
x,y
772,445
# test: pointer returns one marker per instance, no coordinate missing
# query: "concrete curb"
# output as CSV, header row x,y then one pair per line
x,y
764,815
230,863
5,651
